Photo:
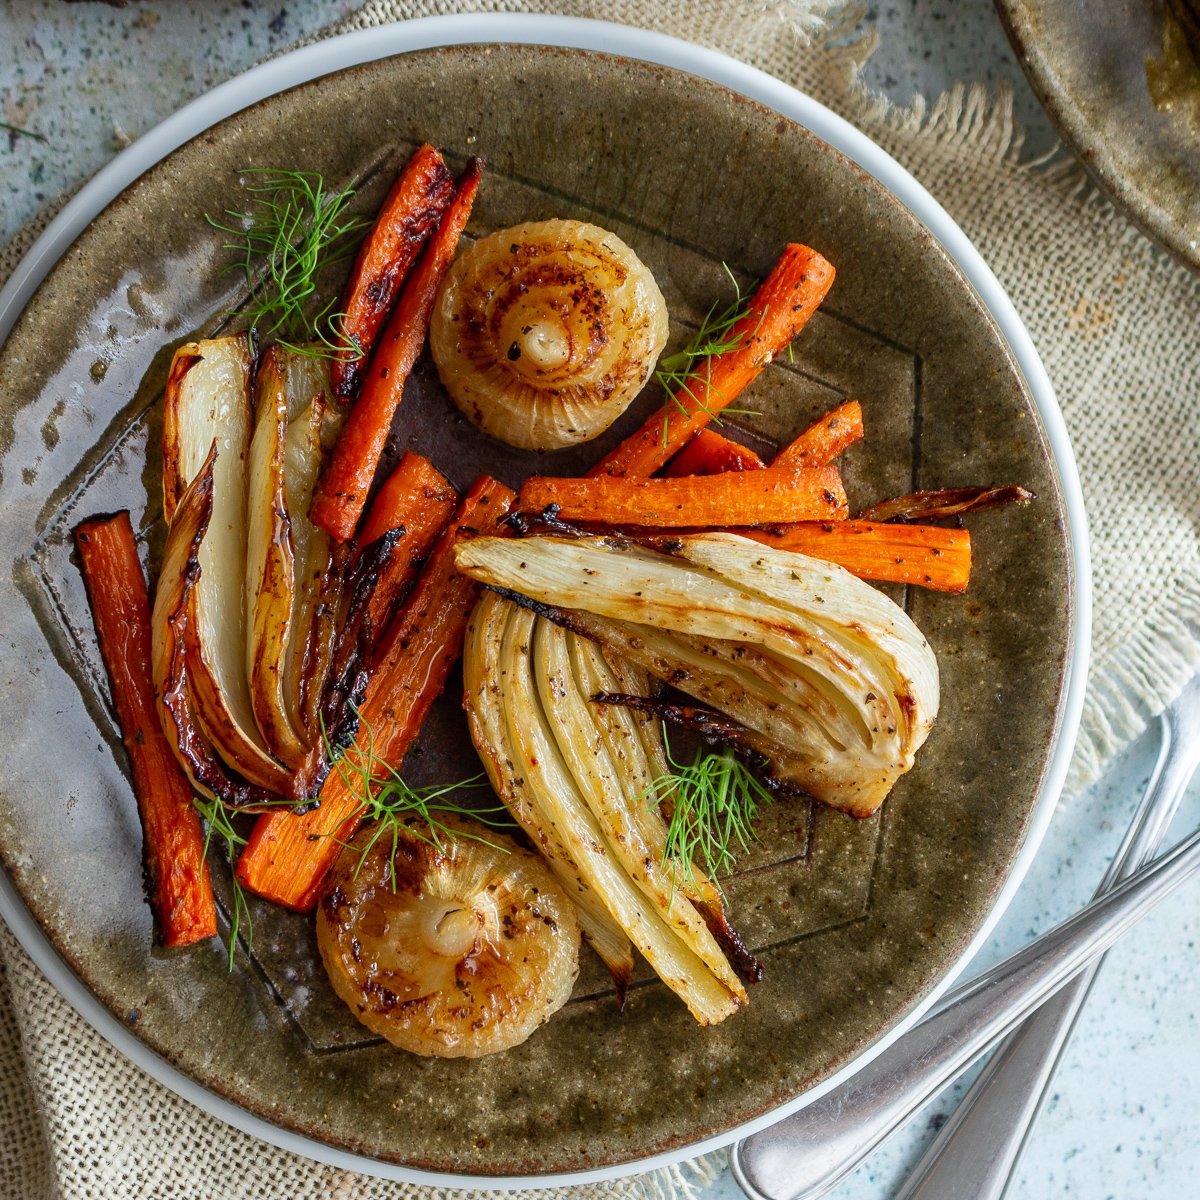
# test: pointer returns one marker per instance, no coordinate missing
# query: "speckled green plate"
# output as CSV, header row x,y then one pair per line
x,y
858,923
1088,64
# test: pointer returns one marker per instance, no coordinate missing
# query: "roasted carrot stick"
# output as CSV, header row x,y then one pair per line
x,y
341,494
416,495
927,555
779,310
180,891
824,439
734,498
709,453
287,856
412,209
417,502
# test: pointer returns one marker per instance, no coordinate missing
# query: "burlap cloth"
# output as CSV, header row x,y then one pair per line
x,y
1115,323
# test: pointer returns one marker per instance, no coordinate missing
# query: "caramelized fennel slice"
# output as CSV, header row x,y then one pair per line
x,y
489,732
874,633
206,397
314,421
270,565
170,654
536,761
646,763
722,675
623,810
708,999
799,650
800,751
205,406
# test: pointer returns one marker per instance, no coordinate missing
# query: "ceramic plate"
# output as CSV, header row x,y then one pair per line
x,y
1090,65
859,923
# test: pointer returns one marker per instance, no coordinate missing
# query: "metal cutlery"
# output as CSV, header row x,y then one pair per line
x,y
808,1153
975,1153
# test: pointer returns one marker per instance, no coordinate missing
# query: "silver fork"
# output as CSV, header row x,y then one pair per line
x,y
977,1150
806,1154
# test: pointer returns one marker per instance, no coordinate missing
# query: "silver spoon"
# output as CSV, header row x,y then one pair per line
x,y
806,1154
977,1150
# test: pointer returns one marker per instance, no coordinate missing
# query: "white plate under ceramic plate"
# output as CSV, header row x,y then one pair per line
x,y
357,48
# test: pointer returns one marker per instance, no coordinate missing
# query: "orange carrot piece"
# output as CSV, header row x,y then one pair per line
x,y
342,492
413,207
709,453
779,310
180,890
287,856
926,555
413,495
418,499
734,498
824,439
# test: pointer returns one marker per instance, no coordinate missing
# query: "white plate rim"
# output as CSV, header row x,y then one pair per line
x,y
368,45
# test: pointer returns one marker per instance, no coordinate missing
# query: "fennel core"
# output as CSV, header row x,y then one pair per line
x,y
714,801
293,228
716,336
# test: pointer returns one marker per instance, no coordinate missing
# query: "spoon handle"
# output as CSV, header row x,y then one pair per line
x,y
975,1152
806,1154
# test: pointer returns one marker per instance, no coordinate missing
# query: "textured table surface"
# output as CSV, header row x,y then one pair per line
x,y
1123,1117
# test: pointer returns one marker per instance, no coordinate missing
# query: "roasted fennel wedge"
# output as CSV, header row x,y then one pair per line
x,y
287,558
486,683
173,660
556,772
825,676
207,404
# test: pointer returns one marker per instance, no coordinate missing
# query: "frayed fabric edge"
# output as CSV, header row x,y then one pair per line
x,y
1141,679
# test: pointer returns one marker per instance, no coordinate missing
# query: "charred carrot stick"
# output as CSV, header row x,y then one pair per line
x,y
824,439
415,503
778,311
400,528
926,555
734,498
416,495
341,494
287,856
413,207
180,891
709,453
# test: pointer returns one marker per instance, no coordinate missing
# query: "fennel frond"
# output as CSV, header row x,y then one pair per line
x,y
388,801
713,803
716,336
218,824
292,230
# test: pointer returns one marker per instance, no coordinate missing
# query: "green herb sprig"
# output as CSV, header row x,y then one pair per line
x,y
390,802
293,229
17,131
218,822
715,799
677,372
